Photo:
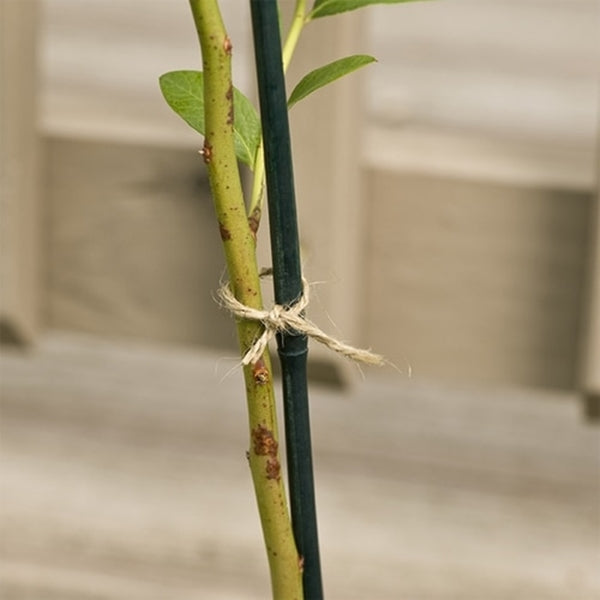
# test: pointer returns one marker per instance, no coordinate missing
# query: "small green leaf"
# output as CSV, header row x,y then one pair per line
x,y
246,128
184,93
324,8
323,75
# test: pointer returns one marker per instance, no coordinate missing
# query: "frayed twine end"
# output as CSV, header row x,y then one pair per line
x,y
290,319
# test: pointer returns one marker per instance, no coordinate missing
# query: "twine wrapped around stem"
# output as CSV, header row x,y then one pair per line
x,y
289,319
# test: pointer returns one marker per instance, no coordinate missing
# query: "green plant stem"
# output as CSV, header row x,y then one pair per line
x,y
291,41
239,248
258,187
289,46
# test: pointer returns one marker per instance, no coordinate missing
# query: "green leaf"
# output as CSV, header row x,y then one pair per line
x,y
184,93
323,75
324,8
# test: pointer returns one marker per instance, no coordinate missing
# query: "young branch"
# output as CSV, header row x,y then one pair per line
x,y
239,247
298,22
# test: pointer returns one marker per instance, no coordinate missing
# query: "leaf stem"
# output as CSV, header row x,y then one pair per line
x,y
239,248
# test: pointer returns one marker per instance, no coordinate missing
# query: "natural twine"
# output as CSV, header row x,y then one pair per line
x,y
289,319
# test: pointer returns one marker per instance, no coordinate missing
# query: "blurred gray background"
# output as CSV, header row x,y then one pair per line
x,y
448,204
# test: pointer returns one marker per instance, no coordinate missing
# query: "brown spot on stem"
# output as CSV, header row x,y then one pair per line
x,y
260,372
229,98
206,152
254,221
227,45
225,233
273,468
301,563
264,442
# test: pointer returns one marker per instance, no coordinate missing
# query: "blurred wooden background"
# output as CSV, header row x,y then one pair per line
x,y
449,216
124,476
446,196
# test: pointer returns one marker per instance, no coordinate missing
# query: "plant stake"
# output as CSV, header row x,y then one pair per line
x,y
288,285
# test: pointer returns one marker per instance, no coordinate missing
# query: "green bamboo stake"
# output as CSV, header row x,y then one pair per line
x,y
287,275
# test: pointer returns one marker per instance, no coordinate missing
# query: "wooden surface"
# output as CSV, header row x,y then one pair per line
x,y
476,280
133,244
20,213
123,476
520,70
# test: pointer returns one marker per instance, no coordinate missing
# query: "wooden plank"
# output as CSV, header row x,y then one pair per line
x,y
133,244
20,293
524,71
111,92
472,156
476,280
123,475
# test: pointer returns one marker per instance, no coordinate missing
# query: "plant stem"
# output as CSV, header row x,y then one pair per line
x,y
298,22
239,248
258,187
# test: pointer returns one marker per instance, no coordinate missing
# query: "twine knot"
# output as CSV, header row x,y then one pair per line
x,y
289,319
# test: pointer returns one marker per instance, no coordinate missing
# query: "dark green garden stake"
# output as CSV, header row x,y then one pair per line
x,y
285,250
